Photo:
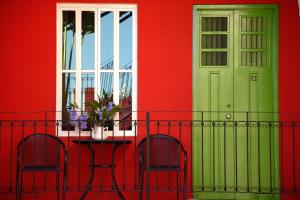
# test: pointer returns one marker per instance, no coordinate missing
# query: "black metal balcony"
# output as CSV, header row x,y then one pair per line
x,y
222,156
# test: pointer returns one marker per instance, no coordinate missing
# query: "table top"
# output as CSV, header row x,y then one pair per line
x,y
107,141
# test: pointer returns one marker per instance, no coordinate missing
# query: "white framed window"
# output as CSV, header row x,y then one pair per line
x,y
96,53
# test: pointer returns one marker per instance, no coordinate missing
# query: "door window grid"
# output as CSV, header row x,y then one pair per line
x,y
254,41
214,41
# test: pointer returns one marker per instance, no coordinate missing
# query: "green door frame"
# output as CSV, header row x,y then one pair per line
x,y
274,64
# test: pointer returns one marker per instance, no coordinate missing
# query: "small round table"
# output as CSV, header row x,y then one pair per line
x,y
90,143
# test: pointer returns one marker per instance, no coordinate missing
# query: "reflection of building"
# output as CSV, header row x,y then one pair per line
x,y
126,113
88,97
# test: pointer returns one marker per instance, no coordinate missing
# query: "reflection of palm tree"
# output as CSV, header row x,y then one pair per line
x,y
69,25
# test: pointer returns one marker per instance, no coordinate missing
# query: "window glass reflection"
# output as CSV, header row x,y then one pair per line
x,y
68,41
106,83
125,100
107,40
68,97
87,89
88,41
125,38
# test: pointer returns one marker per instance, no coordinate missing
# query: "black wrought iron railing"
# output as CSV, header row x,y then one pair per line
x,y
227,156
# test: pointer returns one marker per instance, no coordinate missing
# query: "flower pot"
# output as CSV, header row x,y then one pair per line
x,y
99,133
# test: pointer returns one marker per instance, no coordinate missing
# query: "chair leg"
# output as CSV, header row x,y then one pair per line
x,y
141,183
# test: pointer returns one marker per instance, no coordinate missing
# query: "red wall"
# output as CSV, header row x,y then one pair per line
x,y
28,53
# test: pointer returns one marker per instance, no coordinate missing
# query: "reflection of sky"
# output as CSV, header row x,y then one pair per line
x,y
88,51
126,42
107,38
88,44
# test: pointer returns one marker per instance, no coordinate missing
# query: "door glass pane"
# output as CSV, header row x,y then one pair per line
x,y
214,59
68,41
253,58
253,24
107,40
126,100
214,41
125,40
88,40
87,89
214,24
106,83
254,41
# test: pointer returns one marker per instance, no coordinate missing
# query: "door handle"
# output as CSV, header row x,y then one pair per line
x,y
228,116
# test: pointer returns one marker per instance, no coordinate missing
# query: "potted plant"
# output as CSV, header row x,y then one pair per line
x,y
99,116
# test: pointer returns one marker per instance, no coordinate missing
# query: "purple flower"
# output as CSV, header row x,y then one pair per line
x,y
73,116
83,117
109,106
83,120
83,125
100,115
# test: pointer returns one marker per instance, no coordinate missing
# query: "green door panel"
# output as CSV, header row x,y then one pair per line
x,y
235,80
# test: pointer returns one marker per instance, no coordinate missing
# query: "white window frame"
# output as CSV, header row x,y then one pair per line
x,y
97,8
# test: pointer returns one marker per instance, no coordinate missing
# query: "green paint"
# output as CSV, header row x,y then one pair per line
x,y
235,79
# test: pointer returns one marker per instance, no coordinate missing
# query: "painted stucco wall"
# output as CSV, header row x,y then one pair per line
x,y
28,55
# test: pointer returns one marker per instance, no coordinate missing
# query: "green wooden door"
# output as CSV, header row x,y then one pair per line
x,y
234,87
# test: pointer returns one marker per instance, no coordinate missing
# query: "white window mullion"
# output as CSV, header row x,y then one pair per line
x,y
116,90
116,57
97,53
78,57
59,91
134,65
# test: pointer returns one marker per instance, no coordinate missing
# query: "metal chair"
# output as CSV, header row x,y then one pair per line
x,y
40,153
165,154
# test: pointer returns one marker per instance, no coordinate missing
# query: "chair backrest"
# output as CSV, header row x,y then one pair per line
x,y
41,151
164,152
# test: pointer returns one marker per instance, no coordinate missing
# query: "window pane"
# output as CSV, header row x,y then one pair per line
x,y
106,83
125,40
214,59
68,84
88,40
68,97
68,41
126,100
87,89
214,24
214,41
107,40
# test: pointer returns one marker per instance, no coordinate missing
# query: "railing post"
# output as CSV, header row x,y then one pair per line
x,y
148,155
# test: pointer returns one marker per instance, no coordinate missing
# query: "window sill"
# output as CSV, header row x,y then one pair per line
x,y
78,133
